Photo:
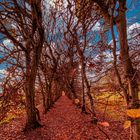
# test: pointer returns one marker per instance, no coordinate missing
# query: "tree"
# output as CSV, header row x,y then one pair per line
x,y
117,17
29,37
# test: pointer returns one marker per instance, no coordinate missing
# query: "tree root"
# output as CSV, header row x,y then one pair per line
x,y
32,126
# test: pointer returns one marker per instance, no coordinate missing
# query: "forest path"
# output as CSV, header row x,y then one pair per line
x,y
63,122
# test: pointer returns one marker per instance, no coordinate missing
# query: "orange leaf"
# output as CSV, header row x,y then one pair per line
x,y
106,124
133,113
127,124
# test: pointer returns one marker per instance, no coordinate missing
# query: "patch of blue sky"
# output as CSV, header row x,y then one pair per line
x,y
133,11
8,44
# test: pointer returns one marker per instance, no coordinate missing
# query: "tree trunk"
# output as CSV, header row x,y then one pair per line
x,y
31,121
83,89
32,63
130,73
94,118
72,88
50,95
43,95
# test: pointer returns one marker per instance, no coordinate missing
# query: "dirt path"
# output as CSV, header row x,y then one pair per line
x,y
67,122
63,122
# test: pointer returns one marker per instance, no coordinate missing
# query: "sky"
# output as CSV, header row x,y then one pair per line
x,y
133,18
133,11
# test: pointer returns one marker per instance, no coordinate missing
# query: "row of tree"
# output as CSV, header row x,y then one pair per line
x,y
62,47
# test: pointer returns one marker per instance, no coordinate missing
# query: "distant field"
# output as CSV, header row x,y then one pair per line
x,y
110,104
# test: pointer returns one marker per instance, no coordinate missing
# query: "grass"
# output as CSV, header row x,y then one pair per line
x,y
8,119
110,104
12,114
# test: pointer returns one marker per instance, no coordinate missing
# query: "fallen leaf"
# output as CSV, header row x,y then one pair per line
x,y
76,101
127,124
106,124
133,113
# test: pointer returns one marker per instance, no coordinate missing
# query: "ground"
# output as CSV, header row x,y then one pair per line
x,y
63,122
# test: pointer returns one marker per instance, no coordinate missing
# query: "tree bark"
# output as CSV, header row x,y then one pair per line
x,y
94,118
32,62
31,121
